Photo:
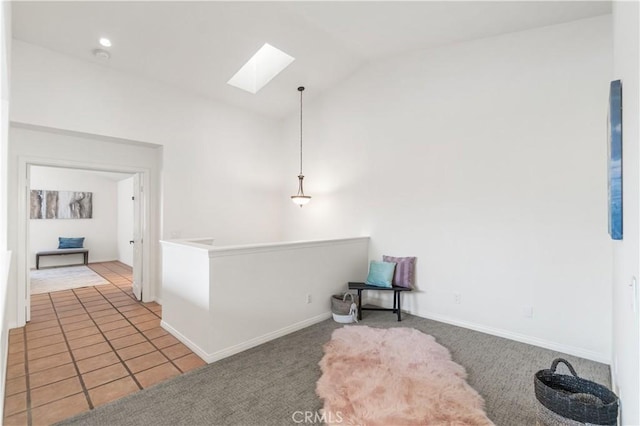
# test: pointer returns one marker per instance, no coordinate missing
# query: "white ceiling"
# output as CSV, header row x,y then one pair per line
x,y
198,46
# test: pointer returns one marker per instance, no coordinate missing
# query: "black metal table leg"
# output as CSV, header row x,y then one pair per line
x,y
397,298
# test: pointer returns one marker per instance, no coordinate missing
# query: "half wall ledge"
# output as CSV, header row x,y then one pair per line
x,y
219,301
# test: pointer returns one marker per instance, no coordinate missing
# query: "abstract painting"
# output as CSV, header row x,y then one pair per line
x,y
61,204
615,160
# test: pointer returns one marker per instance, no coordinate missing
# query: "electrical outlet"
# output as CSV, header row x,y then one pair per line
x,y
527,311
457,298
308,298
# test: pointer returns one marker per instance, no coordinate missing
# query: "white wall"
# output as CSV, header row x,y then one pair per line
x,y
626,260
486,160
5,71
100,232
5,256
125,221
42,146
220,165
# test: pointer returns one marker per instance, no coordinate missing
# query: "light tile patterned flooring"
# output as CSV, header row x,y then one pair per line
x,y
86,347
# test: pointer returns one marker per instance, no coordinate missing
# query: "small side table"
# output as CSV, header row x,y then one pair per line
x,y
396,297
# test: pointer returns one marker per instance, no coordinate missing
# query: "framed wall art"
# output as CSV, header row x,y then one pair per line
x,y
61,204
615,160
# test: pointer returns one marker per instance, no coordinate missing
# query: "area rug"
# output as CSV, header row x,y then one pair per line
x,y
56,279
395,376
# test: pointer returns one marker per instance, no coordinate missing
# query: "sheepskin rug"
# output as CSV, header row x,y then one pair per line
x,y
395,376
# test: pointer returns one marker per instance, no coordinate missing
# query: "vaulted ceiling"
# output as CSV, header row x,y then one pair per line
x,y
198,46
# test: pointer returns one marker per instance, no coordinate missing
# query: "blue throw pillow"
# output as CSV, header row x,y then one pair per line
x,y
70,242
381,273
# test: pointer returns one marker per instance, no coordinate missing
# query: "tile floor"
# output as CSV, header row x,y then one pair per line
x,y
86,347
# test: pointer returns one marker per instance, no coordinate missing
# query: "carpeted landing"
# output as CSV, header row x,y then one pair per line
x,y
272,383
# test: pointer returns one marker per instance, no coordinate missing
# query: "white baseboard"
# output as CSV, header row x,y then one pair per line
x,y
188,343
102,260
33,266
224,353
232,350
518,337
547,344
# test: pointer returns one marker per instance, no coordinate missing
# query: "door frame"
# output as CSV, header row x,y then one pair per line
x,y
22,256
139,196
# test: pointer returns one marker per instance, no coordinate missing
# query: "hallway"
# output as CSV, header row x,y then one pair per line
x,y
86,347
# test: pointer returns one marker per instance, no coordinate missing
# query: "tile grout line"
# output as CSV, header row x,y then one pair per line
x,y
26,378
145,336
110,345
73,358
117,362
111,295
120,275
141,331
59,306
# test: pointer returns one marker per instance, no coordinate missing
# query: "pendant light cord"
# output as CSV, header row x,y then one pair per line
x,y
300,89
300,199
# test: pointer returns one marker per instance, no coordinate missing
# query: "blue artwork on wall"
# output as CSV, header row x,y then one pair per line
x,y
615,160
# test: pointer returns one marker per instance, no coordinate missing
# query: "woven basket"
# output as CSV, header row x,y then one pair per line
x,y
546,417
575,398
340,305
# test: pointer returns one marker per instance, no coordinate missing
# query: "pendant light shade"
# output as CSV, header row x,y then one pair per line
x,y
300,199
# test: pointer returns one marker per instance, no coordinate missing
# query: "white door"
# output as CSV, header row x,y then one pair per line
x,y
27,280
138,226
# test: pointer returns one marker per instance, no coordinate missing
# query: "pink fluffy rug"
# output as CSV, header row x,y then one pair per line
x,y
395,376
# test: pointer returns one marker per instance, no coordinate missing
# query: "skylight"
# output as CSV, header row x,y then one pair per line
x,y
263,66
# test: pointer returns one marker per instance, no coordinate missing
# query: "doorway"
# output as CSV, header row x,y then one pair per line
x,y
133,179
77,216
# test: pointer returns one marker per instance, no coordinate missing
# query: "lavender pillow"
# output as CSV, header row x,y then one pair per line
x,y
405,273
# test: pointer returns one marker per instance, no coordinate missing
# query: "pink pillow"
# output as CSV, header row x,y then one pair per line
x,y
405,273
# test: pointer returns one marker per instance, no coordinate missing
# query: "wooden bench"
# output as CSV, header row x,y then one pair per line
x,y
396,297
61,252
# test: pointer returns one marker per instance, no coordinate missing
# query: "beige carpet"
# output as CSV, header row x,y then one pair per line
x,y
269,384
56,279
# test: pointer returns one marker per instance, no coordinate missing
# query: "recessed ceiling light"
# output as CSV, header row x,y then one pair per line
x,y
105,42
263,66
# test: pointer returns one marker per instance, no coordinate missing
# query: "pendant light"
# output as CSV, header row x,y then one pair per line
x,y
300,199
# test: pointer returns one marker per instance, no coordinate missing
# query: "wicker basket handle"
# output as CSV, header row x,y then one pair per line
x,y
554,365
344,298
